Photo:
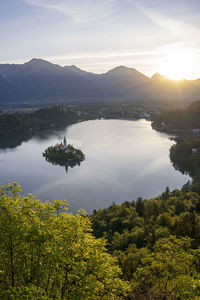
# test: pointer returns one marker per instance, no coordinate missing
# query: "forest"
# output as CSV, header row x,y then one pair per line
x,y
185,157
23,125
144,249
48,253
156,242
179,119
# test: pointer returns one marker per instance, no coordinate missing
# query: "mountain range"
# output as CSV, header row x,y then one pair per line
x,y
39,80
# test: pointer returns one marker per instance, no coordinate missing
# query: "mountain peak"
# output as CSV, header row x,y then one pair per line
x,y
41,65
38,61
125,72
73,67
39,79
121,69
158,76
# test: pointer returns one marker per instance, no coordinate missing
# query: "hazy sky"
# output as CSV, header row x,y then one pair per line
x,y
97,35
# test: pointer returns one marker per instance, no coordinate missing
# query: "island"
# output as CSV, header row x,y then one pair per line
x,y
63,154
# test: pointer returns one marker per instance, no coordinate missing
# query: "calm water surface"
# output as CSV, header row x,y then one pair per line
x,y
124,160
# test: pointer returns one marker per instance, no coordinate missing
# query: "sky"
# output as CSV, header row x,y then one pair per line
x,y
97,35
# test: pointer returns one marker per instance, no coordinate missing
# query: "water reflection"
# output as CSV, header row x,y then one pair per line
x,y
61,163
125,160
13,142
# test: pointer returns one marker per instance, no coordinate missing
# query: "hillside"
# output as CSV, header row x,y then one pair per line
x,y
156,242
25,125
180,120
152,249
41,81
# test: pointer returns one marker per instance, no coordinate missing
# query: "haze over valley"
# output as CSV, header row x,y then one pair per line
x,y
41,81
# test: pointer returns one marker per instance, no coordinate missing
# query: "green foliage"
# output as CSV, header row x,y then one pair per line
x,y
53,155
47,253
45,118
166,272
25,293
184,160
157,244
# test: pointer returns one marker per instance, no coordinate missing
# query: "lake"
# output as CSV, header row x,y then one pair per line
x,y
124,160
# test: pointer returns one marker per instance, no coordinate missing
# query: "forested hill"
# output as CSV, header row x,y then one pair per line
x,y
17,125
47,253
185,157
41,81
181,119
157,244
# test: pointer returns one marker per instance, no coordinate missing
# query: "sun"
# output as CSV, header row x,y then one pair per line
x,y
179,64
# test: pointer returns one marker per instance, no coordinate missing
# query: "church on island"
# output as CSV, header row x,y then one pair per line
x,y
64,147
64,152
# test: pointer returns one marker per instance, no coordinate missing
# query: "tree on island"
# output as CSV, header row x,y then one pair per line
x,y
63,154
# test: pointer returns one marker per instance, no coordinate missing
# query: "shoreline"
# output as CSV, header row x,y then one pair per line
x,y
17,141
177,132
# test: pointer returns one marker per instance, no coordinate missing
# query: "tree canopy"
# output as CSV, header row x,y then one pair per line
x,y
152,249
157,244
179,119
48,253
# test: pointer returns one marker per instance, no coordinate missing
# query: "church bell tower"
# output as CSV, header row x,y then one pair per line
x,y
65,142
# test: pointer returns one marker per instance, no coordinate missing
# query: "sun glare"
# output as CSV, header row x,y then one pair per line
x,y
179,64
